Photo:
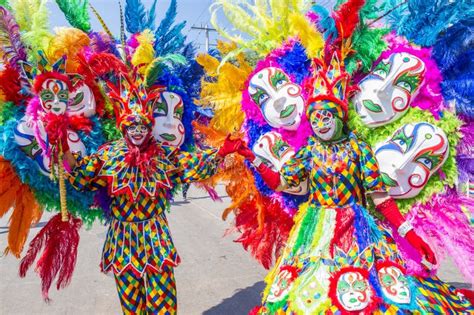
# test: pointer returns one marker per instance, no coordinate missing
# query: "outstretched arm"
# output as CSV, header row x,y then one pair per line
x,y
292,173
198,166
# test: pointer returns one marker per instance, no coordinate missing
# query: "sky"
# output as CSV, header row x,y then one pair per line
x,y
195,12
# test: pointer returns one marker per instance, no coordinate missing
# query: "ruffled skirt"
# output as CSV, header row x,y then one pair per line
x,y
341,261
138,246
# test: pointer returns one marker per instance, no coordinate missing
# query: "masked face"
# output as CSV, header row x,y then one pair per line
x,y
325,125
275,152
353,291
277,97
137,134
82,102
394,284
168,112
409,158
54,96
282,284
387,91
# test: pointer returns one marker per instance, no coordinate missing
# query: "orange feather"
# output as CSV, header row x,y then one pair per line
x,y
26,210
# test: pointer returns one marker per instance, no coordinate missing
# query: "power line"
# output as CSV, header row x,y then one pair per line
x,y
207,30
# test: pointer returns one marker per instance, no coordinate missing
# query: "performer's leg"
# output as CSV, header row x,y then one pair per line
x,y
131,291
161,292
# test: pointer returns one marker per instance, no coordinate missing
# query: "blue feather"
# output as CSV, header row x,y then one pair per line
x,y
325,23
169,39
296,63
422,21
137,18
454,53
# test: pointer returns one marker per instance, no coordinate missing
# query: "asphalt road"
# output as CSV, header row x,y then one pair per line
x,y
216,275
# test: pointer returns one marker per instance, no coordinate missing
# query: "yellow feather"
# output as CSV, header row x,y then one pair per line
x,y
67,41
209,63
268,23
144,54
224,92
32,17
311,39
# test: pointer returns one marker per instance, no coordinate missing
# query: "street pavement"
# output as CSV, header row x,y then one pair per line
x,y
216,275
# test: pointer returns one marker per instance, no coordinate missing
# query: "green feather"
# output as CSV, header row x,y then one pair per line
x,y
76,13
156,67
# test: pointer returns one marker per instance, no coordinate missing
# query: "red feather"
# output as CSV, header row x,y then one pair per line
x,y
347,17
59,241
10,85
264,240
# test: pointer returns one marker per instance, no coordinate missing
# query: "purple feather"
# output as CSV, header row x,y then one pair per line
x,y
12,48
101,42
447,227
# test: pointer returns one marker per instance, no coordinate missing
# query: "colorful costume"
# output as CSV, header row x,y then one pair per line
x,y
338,258
132,162
138,247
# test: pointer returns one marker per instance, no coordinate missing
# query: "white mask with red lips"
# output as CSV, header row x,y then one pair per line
x,y
137,134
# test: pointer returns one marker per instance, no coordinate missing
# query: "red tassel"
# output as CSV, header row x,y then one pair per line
x,y
59,241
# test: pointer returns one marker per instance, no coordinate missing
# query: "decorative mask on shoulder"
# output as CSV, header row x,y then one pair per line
x,y
168,113
279,99
275,152
54,89
386,93
410,157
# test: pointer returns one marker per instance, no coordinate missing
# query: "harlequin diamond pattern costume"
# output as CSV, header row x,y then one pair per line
x,y
338,258
138,174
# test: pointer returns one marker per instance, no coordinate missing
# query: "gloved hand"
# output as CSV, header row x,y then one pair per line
x,y
269,176
420,245
246,152
229,146
390,211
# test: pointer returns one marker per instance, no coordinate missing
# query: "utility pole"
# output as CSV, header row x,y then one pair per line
x,y
207,30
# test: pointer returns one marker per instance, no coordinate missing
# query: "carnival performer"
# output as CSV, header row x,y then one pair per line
x,y
138,174
338,258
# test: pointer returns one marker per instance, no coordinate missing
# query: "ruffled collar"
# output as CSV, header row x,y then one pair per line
x,y
131,171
